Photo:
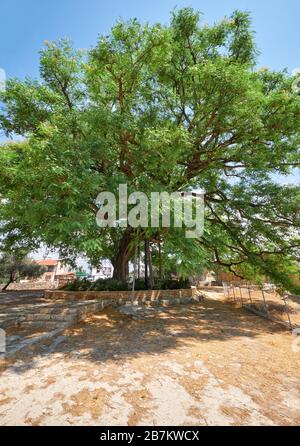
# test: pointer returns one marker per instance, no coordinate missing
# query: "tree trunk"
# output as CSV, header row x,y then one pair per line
x,y
11,280
160,263
149,280
139,262
146,264
151,276
120,262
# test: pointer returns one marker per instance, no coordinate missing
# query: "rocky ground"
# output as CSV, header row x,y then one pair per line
x,y
195,364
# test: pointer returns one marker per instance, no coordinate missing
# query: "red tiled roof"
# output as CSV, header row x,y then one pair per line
x,y
47,262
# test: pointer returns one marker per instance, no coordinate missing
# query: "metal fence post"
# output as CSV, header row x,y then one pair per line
x,y
264,298
284,298
234,297
225,289
249,292
241,295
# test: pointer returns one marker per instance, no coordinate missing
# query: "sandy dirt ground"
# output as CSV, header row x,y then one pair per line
x,y
200,364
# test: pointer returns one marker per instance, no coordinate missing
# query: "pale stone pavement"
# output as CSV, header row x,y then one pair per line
x,y
199,364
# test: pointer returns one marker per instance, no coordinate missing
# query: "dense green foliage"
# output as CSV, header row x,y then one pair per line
x,y
160,108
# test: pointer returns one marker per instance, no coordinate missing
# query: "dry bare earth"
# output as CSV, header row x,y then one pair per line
x,y
201,364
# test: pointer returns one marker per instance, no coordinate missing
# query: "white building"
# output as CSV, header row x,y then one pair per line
x,y
103,271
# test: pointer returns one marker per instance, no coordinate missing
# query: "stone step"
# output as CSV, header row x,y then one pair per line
x,y
25,343
50,317
53,310
49,325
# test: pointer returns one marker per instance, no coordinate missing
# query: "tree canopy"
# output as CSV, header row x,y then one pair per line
x,y
160,108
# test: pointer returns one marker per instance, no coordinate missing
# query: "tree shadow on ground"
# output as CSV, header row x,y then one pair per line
x,y
294,298
113,336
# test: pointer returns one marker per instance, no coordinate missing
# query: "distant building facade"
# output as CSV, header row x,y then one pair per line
x,y
55,270
103,271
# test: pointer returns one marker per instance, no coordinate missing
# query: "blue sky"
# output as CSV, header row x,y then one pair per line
x,y
25,25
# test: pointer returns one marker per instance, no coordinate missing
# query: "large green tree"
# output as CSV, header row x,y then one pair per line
x,y
158,108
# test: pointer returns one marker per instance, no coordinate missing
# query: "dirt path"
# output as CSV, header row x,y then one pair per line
x,y
203,364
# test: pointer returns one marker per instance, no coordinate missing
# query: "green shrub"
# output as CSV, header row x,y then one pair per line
x,y
139,285
78,285
172,284
119,285
109,285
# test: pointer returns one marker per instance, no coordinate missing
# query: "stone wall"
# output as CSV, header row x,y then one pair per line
x,y
118,296
29,286
52,318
